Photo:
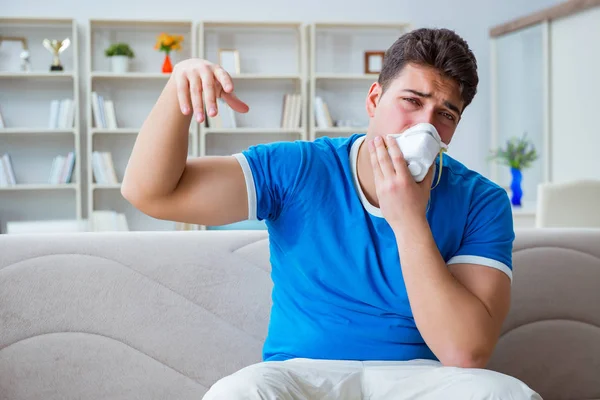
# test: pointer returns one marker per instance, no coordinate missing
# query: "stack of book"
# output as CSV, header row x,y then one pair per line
x,y
103,168
62,114
291,112
62,169
103,112
322,117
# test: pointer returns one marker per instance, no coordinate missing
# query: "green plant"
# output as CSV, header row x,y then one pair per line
x,y
519,153
119,49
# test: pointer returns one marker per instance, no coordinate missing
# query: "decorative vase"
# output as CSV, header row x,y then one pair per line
x,y
515,186
167,67
120,64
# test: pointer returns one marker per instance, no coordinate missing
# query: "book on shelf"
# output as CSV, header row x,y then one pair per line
x,y
2,123
184,226
108,220
103,168
7,174
62,114
291,111
225,117
103,112
62,169
322,117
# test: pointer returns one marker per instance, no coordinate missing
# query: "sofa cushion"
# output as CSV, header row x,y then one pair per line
x,y
155,315
551,338
129,315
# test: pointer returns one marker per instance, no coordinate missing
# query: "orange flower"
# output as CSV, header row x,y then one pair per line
x,y
167,43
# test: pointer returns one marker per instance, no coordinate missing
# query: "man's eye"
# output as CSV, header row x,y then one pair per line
x,y
412,101
448,116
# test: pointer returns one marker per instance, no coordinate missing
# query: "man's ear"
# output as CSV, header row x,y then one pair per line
x,y
373,98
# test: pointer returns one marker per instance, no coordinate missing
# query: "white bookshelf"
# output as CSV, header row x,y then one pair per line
x,y
275,59
55,75
25,104
133,94
101,186
337,73
117,131
253,131
36,131
346,76
161,77
272,63
38,187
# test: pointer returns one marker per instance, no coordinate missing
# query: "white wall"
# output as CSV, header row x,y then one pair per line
x,y
470,18
574,96
520,89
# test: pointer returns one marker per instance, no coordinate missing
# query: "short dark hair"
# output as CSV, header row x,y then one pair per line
x,y
441,49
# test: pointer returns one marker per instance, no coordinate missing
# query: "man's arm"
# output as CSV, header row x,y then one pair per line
x,y
458,309
159,180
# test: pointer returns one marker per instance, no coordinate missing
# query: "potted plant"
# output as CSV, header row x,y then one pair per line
x,y
519,154
119,54
168,43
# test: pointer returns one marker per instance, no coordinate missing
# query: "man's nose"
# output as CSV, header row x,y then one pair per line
x,y
428,116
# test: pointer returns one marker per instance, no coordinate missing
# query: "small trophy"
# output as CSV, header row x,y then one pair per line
x,y
25,61
56,47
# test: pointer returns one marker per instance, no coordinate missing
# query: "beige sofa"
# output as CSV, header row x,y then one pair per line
x,y
154,315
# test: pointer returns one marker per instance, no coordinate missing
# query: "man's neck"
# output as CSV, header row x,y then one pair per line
x,y
365,173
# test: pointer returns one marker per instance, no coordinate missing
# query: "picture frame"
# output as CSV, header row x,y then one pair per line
x,y
374,61
229,60
13,47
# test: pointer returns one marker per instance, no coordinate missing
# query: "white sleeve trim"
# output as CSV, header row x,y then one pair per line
x,y
488,262
250,188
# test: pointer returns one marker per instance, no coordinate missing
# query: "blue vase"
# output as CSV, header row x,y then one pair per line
x,y
515,186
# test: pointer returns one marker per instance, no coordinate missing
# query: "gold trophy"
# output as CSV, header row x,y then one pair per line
x,y
56,47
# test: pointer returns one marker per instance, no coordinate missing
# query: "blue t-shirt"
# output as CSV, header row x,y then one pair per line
x,y
338,288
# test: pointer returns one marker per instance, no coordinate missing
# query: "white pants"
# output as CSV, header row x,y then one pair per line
x,y
304,379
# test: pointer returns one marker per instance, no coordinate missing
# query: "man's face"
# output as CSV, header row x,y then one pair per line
x,y
418,94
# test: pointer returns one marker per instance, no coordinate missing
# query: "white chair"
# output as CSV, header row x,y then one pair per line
x,y
569,204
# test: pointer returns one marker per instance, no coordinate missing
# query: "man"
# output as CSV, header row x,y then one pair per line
x,y
383,287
